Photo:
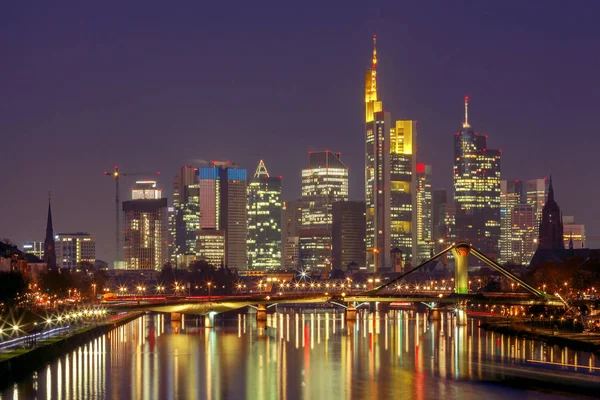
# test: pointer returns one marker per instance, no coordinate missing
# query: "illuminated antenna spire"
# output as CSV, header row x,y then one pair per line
x,y
374,62
466,123
261,170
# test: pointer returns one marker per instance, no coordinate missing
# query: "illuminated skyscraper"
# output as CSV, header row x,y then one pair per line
x,y
264,220
511,195
424,212
522,234
186,215
476,190
390,169
324,182
145,233
536,193
74,248
222,198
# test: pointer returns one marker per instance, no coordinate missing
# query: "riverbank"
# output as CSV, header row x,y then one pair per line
x,y
577,341
17,364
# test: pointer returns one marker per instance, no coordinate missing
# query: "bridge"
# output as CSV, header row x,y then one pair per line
x,y
387,292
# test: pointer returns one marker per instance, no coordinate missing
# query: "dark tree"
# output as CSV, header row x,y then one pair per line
x,y
12,284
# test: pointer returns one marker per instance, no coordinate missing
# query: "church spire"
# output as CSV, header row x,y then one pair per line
x,y
466,123
49,228
550,190
49,251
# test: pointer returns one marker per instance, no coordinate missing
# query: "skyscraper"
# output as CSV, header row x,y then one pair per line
x,y
522,234
536,193
439,198
511,194
324,182
49,249
290,229
551,227
476,189
186,215
74,248
390,168
264,220
424,212
145,233
348,234
222,198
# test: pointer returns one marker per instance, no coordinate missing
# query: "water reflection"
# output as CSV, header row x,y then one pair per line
x,y
291,355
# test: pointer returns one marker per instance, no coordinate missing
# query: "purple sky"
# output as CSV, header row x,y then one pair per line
x,y
151,86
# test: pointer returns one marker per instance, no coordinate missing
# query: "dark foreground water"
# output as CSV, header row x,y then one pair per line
x,y
310,355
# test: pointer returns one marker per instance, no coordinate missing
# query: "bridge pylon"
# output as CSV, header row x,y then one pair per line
x,y
261,312
461,253
350,313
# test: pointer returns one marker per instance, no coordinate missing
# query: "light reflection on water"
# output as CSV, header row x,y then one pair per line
x,y
292,355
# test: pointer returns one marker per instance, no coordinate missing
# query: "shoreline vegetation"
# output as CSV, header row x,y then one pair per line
x,y
17,364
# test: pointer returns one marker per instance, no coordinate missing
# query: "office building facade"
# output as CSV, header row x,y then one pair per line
x,y
348,234
74,248
324,182
264,220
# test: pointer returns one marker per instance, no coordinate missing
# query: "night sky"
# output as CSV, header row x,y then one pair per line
x,y
152,86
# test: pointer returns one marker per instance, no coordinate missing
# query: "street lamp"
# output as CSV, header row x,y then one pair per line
x,y
209,284
94,288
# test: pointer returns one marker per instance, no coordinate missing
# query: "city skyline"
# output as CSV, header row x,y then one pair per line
x,y
507,114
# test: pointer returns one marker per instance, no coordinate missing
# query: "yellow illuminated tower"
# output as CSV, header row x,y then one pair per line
x,y
390,168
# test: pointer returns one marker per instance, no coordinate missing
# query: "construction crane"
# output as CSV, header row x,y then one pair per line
x,y
116,175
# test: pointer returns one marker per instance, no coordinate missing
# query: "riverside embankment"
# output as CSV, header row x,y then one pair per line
x,y
18,363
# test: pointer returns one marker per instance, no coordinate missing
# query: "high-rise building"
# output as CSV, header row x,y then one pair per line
x,y
476,189
348,234
290,229
439,197
222,198
264,220
551,227
35,248
424,220
145,190
574,233
74,248
390,168
511,194
324,182
536,191
522,234
186,217
145,233
49,245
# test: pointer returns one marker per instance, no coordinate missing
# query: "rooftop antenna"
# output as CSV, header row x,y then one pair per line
x,y
466,123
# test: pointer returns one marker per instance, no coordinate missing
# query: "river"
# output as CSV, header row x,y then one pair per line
x,y
313,354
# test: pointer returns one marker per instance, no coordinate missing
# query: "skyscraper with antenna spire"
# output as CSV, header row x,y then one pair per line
x,y
390,173
476,189
264,220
